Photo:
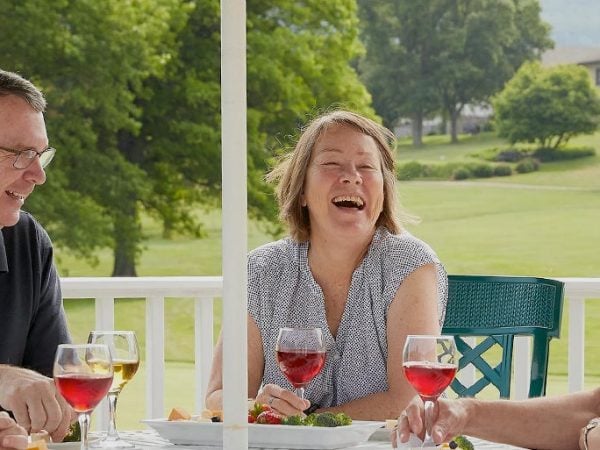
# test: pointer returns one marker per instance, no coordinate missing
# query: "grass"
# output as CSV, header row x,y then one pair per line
x,y
542,224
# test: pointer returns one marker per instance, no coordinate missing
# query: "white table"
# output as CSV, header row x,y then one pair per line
x,y
149,439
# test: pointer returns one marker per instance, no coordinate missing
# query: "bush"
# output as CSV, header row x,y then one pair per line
x,y
462,173
502,170
547,154
482,171
511,155
527,165
410,170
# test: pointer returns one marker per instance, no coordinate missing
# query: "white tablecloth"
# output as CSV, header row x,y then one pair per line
x,y
151,440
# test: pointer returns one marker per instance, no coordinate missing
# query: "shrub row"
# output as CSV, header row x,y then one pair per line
x,y
456,171
542,154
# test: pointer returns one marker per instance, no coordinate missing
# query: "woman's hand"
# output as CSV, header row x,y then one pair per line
x,y
12,436
593,438
282,401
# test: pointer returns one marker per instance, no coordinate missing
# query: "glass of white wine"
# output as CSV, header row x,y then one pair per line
x,y
125,355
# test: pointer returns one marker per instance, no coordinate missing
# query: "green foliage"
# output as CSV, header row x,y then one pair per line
x,y
527,165
442,54
462,173
502,170
547,106
482,171
410,170
545,154
133,89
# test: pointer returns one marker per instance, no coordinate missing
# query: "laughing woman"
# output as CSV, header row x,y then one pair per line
x,y
348,267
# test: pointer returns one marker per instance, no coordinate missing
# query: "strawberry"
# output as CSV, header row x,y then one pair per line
x,y
269,418
251,418
257,409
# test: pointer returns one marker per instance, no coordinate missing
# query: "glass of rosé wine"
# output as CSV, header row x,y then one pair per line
x,y
125,356
83,375
300,355
429,364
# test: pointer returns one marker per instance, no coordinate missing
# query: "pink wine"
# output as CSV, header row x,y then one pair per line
x,y
299,367
83,392
429,379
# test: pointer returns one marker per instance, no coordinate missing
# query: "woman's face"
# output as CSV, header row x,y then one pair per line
x,y
343,189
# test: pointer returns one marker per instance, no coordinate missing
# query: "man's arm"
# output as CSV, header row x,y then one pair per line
x,y
551,423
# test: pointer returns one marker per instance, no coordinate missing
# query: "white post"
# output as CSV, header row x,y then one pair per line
x,y
235,246
576,343
522,366
105,320
203,346
155,356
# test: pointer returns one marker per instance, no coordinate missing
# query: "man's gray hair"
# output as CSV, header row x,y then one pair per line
x,y
14,84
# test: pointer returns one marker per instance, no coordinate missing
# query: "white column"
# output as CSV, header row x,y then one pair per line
x,y
203,346
576,343
522,366
155,357
105,320
235,246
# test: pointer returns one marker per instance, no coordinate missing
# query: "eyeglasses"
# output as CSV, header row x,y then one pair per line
x,y
25,157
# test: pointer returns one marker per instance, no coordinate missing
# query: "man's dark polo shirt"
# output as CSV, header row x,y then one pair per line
x,y
32,319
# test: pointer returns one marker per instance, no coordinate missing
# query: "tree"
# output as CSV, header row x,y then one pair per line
x,y
401,60
547,106
134,95
437,55
487,41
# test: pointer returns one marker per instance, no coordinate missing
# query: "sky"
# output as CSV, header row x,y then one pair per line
x,y
574,22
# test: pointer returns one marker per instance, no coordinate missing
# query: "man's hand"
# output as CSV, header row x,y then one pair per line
x,y
12,436
449,420
34,402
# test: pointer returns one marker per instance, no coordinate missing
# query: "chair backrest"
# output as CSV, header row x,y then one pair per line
x,y
499,308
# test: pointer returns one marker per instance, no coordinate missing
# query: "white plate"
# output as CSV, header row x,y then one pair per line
x,y
64,445
267,436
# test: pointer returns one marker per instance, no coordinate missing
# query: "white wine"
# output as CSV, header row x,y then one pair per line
x,y
124,370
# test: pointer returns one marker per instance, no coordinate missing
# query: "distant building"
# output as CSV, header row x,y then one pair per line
x,y
588,57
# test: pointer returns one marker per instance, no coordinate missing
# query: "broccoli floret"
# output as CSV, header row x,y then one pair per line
x,y
326,419
74,434
292,420
343,419
463,443
310,419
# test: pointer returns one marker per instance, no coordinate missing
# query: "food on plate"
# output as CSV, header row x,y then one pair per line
x,y
39,444
179,414
74,434
214,415
41,435
461,442
256,410
269,418
390,424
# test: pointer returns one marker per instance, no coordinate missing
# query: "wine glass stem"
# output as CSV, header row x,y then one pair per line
x,y
300,392
112,416
428,420
84,425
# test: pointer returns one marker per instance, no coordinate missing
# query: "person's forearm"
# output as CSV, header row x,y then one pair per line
x,y
380,406
214,400
550,423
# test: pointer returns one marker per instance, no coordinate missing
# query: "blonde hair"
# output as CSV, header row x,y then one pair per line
x,y
290,172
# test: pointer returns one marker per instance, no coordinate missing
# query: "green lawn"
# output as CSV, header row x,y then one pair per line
x,y
543,224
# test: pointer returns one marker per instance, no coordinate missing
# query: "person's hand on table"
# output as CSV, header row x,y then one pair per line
x,y
593,438
34,402
449,420
12,436
281,400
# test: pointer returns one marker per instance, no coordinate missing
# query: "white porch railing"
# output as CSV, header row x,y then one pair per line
x,y
205,289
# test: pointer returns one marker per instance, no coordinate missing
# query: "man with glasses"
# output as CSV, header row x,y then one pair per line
x,y
32,319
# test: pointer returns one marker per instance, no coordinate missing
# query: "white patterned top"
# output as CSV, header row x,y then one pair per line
x,y
283,293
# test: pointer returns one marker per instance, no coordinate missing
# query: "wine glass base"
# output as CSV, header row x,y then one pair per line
x,y
111,443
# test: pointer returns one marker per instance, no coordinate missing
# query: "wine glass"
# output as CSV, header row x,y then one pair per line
x,y
83,375
429,364
300,355
124,351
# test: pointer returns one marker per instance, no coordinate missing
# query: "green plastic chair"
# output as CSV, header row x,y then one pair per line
x,y
499,308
